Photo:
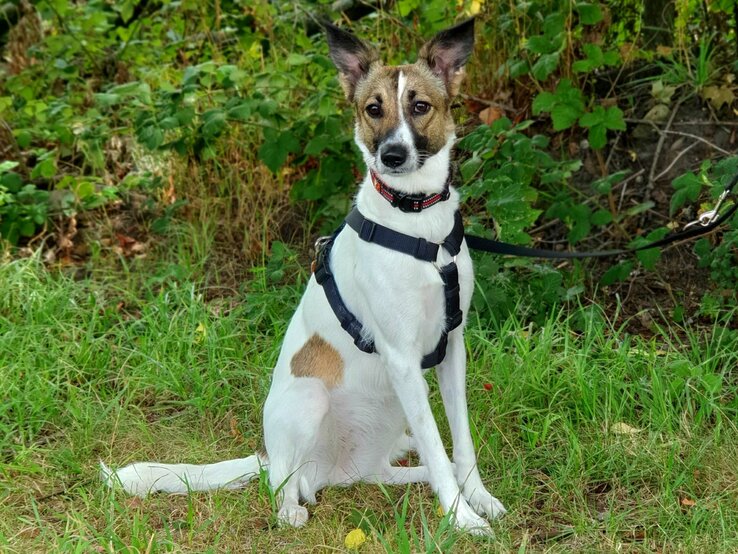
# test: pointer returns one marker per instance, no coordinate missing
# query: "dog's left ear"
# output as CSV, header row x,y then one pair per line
x,y
447,52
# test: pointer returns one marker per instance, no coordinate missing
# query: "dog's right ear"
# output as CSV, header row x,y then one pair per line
x,y
351,56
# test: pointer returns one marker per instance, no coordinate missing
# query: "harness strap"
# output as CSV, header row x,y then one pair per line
x,y
450,277
348,321
418,248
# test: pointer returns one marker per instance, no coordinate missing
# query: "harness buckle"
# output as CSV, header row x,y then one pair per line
x,y
367,230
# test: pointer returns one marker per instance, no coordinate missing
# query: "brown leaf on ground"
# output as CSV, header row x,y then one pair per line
x,y
718,96
491,114
128,246
235,432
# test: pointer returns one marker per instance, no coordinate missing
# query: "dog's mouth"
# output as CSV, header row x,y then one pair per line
x,y
383,170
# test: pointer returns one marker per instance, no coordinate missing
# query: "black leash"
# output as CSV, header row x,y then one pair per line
x,y
703,225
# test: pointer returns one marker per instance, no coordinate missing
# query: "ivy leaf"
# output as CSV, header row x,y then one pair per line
x,y
688,187
545,65
541,44
564,116
518,68
27,227
242,112
604,185
595,117
614,119
544,102
598,121
11,181
214,122
583,66
45,169
276,148
601,217
579,215
619,272
151,137
597,136
649,257
589,14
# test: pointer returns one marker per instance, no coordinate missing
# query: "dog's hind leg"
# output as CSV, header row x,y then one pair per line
x,y
293,418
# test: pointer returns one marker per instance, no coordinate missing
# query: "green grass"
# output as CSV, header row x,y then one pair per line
x,y
595,440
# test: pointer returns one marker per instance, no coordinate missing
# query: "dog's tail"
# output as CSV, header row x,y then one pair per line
x,y
143,478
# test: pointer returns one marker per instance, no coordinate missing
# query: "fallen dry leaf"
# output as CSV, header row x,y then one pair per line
x,y
134,502
235,433
718,96
658,114
621,428
491,114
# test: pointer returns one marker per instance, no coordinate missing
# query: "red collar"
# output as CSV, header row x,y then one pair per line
x,y
408,202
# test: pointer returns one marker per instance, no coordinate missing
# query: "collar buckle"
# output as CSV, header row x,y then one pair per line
x,y
408,203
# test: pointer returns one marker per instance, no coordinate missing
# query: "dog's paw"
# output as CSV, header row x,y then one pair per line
x,y
293,515
466,520
483,503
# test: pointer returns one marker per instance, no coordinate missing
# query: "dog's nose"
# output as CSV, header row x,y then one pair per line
x,y
394,155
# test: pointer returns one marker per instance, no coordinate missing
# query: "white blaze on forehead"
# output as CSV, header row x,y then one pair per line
x,y
403,131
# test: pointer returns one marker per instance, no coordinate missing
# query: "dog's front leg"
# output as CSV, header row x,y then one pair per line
x,y
452,381
409,385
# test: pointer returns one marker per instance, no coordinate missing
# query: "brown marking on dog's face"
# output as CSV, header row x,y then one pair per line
x,y
423,104
318,359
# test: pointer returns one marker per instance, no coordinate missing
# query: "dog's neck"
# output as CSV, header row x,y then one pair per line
x,y
433,223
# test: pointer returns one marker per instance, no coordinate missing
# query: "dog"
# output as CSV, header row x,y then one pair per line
x,y
340,402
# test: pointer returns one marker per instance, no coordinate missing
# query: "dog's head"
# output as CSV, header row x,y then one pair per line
x,y
403,113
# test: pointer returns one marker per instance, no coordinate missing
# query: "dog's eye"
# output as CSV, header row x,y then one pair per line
x,y
420,108
374,110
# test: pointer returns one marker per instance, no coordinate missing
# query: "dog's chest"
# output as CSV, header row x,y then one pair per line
x,y
391,292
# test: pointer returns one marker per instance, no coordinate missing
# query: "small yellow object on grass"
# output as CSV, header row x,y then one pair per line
x,y
200,333
354,539
439,511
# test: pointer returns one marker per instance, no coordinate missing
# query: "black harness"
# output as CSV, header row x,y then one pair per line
x,y
419,249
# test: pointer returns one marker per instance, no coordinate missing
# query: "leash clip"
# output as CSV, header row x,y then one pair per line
x,y
320,242
708,217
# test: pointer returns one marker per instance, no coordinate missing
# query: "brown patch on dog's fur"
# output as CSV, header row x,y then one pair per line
x,y
380,87
318,359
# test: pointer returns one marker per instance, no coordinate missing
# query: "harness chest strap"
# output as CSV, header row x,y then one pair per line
x,y
420,249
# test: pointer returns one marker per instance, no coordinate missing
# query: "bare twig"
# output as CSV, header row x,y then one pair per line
x,y
716,123
624,184
675,160
64,489
659,146
699,138
487,102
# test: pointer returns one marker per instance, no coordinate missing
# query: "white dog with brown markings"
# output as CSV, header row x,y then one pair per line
x,y
336,414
